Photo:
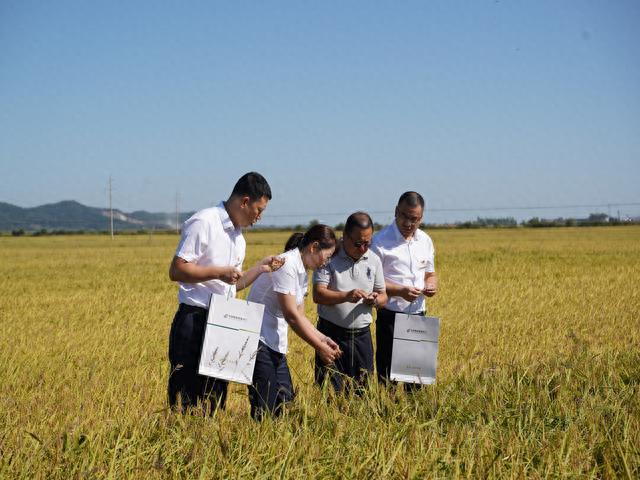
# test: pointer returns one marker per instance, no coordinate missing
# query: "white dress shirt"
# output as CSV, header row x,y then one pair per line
x,y
209,238
290,279
404,262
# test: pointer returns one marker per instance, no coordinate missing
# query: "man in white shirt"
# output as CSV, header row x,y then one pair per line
x,y
407,256
209,260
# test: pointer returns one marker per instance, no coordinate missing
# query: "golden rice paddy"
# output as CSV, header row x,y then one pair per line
x,y
538,375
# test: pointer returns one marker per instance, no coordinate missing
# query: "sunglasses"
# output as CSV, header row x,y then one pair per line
x,y
363,243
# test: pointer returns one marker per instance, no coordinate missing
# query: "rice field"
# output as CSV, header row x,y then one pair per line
x,y
538,376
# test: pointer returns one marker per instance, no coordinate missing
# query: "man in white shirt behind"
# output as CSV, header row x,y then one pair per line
x,y
407,256
209,260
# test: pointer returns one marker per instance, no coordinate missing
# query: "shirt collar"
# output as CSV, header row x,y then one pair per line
x,y
399,237
227,224
396,233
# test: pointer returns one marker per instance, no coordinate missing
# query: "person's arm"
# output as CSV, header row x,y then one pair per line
x,y
266,265
323,295
430,284
397,290
196,236
322,336
327,350
187,272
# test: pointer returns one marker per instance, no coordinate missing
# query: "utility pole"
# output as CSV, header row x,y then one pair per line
x,y
111,206
177,214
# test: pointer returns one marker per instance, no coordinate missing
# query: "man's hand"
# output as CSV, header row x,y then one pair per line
x,y
355,295
410,293
431,288
271,263
371,298
230,275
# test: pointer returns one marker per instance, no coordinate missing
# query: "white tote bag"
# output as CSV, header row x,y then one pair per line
x,y
414,356
231,339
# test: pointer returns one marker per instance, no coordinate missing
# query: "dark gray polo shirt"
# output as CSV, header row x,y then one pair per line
x,y
343,274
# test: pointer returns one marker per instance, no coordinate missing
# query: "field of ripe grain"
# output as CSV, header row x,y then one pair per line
x,y
539,368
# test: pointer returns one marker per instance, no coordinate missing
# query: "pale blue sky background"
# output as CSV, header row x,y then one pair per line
x,y
341,105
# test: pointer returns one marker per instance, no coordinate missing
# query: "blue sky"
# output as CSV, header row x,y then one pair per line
x,y
341,105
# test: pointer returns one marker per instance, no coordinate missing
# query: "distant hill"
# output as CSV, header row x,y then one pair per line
x,y
71,215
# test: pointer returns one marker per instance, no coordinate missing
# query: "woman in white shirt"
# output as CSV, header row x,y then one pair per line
x,y
283,293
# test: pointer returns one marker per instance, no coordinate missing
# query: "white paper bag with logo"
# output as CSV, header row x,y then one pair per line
x,y
231,339
414,356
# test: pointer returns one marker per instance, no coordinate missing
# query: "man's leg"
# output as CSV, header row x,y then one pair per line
x,y
363,361
338,370
384,343
186,387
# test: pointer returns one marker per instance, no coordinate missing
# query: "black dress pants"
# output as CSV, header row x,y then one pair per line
x,y
385,324
356,362
186,387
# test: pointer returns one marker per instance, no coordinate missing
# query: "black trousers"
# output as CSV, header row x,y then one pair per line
x,y
271,388
356,362
385,322
186,387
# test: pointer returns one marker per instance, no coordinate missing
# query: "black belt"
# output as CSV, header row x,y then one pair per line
x,y
350,332
421,313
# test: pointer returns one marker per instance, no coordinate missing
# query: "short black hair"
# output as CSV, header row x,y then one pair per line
x,y
413,199
358,220
252,185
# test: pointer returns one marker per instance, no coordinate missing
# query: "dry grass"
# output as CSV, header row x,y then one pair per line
x,y
539,369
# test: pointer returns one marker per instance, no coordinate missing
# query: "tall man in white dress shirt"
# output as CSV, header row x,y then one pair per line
x,y
209,260
407,256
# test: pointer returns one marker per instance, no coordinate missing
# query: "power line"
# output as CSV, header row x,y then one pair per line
x,y
539,207
51,221
464,209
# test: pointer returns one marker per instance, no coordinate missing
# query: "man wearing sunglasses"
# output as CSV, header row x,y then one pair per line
x,y
346,291
407,256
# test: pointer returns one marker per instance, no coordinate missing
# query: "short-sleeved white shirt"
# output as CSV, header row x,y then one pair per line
x,y
404,262
290,279
209,238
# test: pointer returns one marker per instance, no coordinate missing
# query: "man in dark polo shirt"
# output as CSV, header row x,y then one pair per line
x,y
346,291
